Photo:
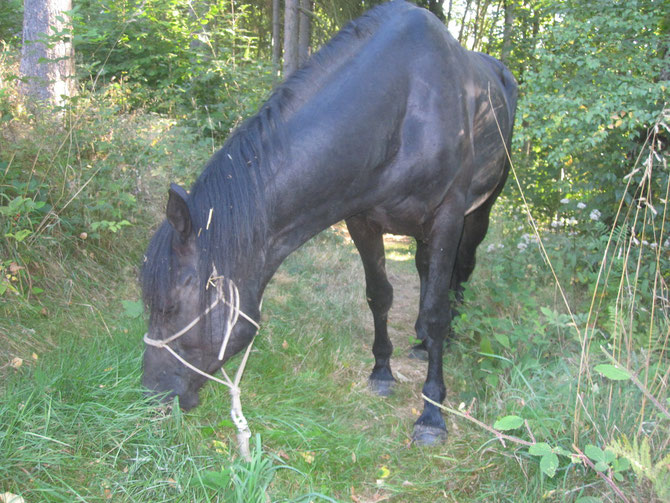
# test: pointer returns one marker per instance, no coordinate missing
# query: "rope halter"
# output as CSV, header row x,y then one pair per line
x,y
232,300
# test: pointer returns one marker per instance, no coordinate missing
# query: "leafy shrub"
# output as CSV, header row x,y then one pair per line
x,y
588,103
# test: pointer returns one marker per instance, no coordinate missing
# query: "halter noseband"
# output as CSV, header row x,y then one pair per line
x,y
243,432
231,320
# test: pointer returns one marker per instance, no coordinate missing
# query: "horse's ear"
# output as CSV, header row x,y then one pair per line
x,y
177,211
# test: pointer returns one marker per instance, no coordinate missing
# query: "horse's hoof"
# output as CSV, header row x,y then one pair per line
x,y
381,387
428,435
418,352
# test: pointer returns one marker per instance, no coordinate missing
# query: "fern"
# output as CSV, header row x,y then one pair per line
x,y
640,457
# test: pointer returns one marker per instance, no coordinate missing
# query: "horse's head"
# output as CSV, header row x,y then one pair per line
x,y
190,311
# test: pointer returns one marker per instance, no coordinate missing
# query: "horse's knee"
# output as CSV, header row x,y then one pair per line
x,y
380,297
432,328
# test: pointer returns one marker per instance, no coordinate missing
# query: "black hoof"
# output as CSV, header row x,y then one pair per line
x,y
381,387
428,435
418,352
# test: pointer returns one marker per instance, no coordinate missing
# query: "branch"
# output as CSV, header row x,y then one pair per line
x,y
637,382
466,415
608,480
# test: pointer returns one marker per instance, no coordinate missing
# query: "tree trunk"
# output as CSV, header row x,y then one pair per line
x,y
47,54
465,17
290,37
276,34
492,26
305,30
451,2
507,31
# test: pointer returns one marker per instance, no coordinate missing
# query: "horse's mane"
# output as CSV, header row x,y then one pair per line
x,y
232,185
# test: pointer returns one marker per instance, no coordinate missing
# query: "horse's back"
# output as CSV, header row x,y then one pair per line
x,y
397,111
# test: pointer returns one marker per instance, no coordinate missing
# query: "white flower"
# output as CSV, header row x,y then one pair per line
x,y
491,247
634,240
595,215
501,246
571,221
581,206
529,238
520,228
645,242
565,200
522,246
666,243
653,245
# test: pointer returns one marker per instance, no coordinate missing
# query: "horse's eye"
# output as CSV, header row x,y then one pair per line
x,y
186,279
171,308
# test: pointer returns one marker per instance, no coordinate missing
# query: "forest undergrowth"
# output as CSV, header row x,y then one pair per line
x,y
557,372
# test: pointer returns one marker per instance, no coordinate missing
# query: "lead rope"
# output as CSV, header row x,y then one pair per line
x,y
233,314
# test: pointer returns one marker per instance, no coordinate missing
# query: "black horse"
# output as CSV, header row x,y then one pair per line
x,y
391,127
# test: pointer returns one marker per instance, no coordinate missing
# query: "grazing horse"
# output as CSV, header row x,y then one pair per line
x,y
393,127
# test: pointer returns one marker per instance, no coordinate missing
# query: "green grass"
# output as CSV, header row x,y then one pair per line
x,y
75,425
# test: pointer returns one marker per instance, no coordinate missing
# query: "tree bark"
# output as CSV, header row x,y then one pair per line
x,y
305,30
290,37
507,31
451,2
465,17
47,54
276,34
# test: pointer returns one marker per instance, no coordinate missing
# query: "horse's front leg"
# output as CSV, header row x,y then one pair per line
x,y
434,318
369,241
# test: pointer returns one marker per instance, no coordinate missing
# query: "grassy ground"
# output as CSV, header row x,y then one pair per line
x,y
75,425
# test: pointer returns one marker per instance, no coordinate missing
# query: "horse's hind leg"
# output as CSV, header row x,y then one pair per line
x,y
474,230
419,350
475,226
370,244
435,315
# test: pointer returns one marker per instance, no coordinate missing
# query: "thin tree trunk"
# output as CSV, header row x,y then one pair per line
x,y
476,24
276,34
507,31
47,54
290,37
451,4
480,23
492,27
305,30
465,17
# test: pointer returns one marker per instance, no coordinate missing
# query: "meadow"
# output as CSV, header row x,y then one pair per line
x,y
557,367
534,415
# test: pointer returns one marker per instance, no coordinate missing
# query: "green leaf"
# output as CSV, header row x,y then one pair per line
x,y
508,423
502,339
589,499
540,449
621,464
563,452
612,372
601,466
132,308
485,346
548,464
216,480
595,453
19,235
